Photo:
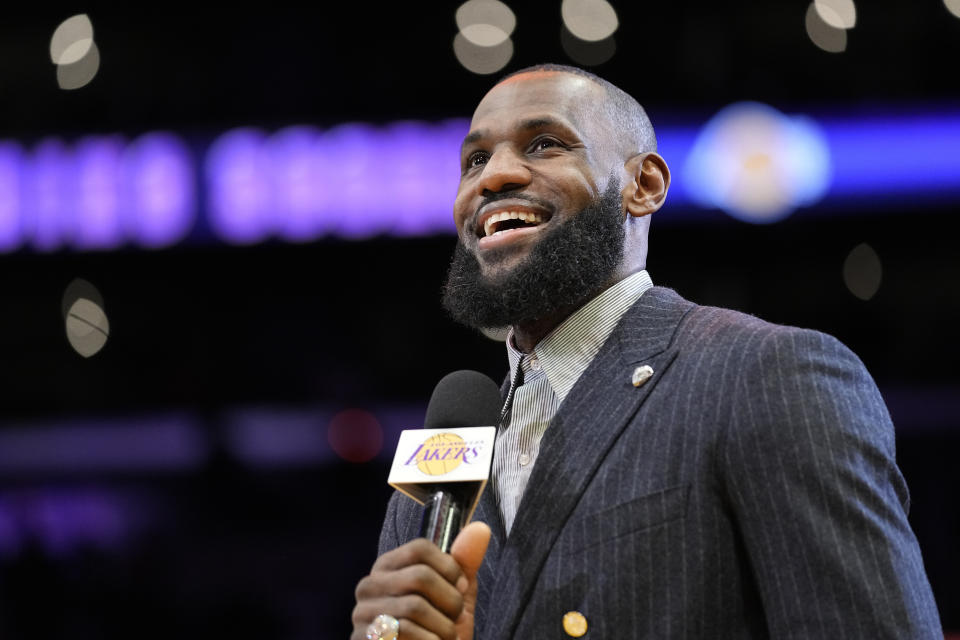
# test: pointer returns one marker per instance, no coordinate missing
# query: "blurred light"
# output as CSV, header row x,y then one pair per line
x,y
157,190
839,14
301,184
239,186
80,73
585,53
49,190
143,444
87,327
485,23
953,6
270,438
589,20
77,289
63,521
497,334
830,39
86,322
11,167
484,35
862,271
72,40
355,435
97,162
351,154
298,185
482,60
97,193
757,164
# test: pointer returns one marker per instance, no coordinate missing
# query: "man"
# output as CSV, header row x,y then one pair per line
x,y
666,470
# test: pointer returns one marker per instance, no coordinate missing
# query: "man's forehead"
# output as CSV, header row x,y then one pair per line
x,y
560,93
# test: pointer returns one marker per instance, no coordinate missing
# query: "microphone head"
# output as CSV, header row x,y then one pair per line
x,y
464,398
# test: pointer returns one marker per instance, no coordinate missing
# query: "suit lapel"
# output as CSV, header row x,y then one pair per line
x,y
586,426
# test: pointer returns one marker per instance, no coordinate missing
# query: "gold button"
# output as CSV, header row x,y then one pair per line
x,y
574,624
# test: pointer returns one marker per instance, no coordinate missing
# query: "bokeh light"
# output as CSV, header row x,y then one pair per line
x,y
482,60
862,271
830,39
80,73
589,20
71,40
74,52
758,164
11,176
953,6
497,334
355,435
86,322
586,53
839,14
485,23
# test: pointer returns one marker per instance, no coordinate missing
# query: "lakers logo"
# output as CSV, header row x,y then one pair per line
x,y
442,453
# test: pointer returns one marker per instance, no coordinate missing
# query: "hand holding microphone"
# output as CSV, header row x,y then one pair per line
x,y
426,590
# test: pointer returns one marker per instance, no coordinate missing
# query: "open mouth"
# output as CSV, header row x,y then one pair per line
x,y
506,221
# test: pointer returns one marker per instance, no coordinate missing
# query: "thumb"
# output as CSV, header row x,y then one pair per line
x,y
468,550
470,546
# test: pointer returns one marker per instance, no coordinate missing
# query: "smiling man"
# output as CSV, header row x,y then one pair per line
x,y
663,470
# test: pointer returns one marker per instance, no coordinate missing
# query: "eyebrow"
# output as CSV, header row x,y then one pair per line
x,y
531,124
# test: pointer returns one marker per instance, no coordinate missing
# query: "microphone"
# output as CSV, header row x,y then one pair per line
x,y
447,470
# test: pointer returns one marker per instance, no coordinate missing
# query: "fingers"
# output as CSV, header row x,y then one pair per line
x,y
416,579
420,551
417,584
418,618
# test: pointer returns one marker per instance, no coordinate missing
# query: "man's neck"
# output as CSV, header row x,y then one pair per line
x,y
527,335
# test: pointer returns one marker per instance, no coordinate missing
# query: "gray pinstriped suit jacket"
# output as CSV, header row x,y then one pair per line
x,y
747,490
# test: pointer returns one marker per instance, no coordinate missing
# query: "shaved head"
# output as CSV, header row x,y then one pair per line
x,y
626,117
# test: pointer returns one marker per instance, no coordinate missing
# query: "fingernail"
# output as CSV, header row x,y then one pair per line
x,y
462,584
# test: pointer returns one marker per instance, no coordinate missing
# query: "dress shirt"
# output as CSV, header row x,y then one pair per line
x,y
548,374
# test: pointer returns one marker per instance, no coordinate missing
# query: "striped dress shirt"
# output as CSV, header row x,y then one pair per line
x,y
548,373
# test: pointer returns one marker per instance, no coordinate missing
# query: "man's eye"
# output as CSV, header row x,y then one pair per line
x,y
544,144
477,158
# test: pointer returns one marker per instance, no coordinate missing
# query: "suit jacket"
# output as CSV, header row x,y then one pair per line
x,y
747,490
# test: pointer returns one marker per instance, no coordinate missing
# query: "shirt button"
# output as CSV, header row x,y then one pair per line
x,y
535,364
524,459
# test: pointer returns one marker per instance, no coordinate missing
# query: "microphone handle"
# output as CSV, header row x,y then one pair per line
x,y
442,519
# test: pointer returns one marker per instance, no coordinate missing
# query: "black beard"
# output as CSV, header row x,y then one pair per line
x,y
571,264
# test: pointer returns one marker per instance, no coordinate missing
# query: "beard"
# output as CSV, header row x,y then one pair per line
x,y
572,263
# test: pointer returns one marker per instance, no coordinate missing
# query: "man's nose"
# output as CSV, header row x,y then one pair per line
x,y
505,170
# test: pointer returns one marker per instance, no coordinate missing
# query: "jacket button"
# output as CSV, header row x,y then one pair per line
x,y
574,624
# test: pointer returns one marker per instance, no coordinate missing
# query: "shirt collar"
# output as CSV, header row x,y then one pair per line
x,y
565,352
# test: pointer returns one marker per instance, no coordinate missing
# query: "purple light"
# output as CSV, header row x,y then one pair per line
x,y
47,216
62,521
96,194
297,183
239,187
159,193
355,160
158,443
11,226
98,188
355,181
424,183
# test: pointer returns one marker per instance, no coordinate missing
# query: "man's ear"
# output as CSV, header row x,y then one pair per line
x,y
645,192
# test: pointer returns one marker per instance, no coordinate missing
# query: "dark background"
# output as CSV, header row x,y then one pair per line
x,y
205,330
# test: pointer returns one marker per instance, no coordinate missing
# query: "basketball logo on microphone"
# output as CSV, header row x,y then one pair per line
x,y
442,453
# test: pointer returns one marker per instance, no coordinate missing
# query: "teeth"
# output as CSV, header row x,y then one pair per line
x,y
491,222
